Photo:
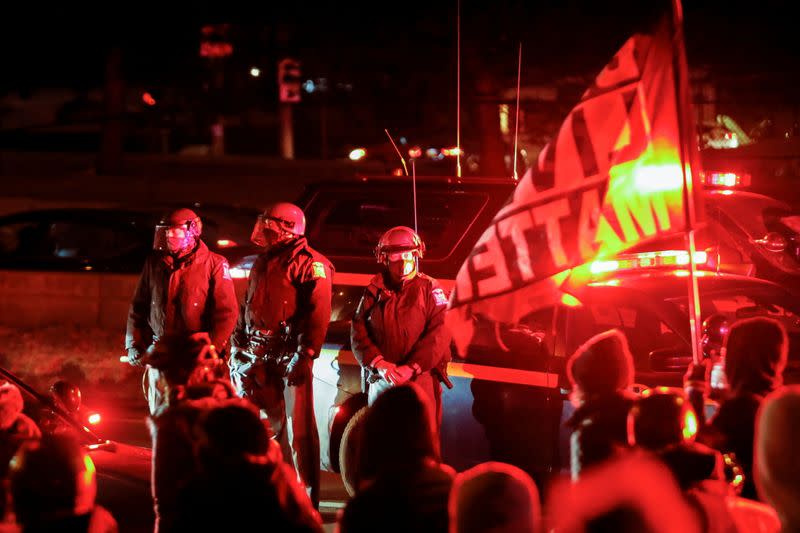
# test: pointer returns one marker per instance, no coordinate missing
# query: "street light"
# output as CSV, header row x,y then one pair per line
x,y
255,72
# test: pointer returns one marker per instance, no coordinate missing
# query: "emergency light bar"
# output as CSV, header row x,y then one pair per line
x,y
726,179
666,258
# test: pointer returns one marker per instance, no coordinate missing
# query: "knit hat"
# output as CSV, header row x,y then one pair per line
x,y
494,497
602,365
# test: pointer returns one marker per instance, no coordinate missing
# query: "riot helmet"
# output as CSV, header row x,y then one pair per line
x,y
279,222
178,232
661,417
399,250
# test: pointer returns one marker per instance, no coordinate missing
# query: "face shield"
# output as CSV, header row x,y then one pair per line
x,y
267,232
172,239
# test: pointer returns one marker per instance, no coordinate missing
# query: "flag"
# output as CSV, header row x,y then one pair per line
x,y
612,178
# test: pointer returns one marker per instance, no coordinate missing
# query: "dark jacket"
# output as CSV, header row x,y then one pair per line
x,y
411,500
732,429
598,428
290,283
404,325
692,463
254,498
189,295
752,374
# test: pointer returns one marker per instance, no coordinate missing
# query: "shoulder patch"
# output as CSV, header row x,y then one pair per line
x,y
318,270
439,296
226,270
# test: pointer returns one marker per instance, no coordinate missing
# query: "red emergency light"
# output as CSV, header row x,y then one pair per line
x,y
726,179
665,258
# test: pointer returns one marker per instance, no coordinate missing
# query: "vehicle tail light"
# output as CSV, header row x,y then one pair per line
x,y
226,243
451,152
239,273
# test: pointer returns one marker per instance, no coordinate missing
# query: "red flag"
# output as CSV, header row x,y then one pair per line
x,y
612,178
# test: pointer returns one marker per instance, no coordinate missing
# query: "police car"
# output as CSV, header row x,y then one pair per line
x,y
510,391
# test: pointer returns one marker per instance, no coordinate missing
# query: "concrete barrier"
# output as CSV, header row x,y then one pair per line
x,y
30,299
37,299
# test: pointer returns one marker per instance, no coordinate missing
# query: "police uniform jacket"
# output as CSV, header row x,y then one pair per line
x,y
291,284
404,325
192,294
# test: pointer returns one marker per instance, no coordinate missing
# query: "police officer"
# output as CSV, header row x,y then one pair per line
x,y
398,332
184,288
280,332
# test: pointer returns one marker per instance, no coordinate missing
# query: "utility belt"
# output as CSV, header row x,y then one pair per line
x,y
270,348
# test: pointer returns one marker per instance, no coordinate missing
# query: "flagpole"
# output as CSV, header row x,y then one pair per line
x,y
458,91
516,122
685,124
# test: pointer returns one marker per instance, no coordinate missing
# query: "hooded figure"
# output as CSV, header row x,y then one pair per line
x,y
237,456
402,486
601,372
755,355
495,497
776,467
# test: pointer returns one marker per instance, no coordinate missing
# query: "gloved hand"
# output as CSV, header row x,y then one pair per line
x,y
404,373
697,375
135,358
388,371
298,369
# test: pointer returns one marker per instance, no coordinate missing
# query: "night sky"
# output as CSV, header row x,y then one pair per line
x,y
68,45
397,60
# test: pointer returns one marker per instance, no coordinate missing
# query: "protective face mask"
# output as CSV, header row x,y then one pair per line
x,y
403,269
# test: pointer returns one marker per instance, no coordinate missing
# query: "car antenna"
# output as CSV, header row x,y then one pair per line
x,y
413,175
516,122
400,155
458,90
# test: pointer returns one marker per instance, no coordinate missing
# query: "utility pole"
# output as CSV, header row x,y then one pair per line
x,y
110,157
288,95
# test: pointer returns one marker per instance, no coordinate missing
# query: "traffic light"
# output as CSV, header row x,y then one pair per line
x,y
289,80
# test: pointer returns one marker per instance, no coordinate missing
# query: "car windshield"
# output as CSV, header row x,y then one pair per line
x,y
655,316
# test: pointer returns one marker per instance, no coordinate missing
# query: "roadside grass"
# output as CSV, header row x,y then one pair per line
x,y
88,357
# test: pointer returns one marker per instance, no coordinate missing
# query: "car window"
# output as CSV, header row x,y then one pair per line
x,y
349,223
646,332
737,305
28,238
525,345
93,241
